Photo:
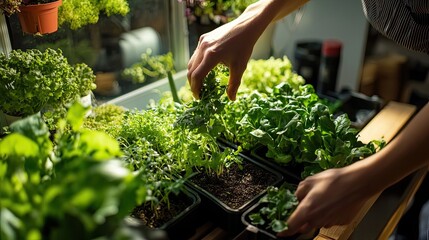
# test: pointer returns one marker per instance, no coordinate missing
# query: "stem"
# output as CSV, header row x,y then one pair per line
x,y
173,87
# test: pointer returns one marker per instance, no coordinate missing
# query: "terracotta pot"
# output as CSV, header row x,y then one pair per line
x,y
40,18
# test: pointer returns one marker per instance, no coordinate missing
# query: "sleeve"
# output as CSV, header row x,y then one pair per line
x,y
404,21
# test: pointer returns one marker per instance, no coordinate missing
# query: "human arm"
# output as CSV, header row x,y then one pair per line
x,y
335,196
232,43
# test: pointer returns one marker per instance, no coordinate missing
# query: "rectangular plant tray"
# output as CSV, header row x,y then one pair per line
x,y
292,172
256,233
182,226
359,108
223,215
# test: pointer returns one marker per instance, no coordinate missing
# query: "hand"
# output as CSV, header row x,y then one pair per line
x,y
230,44
332,197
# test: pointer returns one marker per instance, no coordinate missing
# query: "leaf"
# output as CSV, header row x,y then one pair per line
x,y
16,144
76,115
262,136
256,219
278,226
84,198
100,145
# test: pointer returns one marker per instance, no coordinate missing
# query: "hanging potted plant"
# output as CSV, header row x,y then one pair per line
x,y
35,16
33,81
39,16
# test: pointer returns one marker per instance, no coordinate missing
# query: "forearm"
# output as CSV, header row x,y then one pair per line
x,y
408,152
265,12
276,9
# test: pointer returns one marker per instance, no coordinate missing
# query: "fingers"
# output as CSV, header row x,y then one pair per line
x,y
202,61
303,188
197,74
297,222
235,74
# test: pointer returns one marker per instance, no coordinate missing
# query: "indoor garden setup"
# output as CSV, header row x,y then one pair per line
x,y
101,137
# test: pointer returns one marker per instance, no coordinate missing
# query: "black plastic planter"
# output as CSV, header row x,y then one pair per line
x,y
262,233
229,218
292,171
183,225
359,108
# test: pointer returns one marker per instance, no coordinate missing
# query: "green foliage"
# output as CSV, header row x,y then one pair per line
x,y
264,74
72,188
152,67
75,52
106,118
278,204
32,80
202,114
218,11
275,110
78,13
294,125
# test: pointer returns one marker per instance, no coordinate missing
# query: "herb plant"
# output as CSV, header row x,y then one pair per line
x,y
69,186
288,119
296,129
79,13
277,205
202,114
218,11
152,67
33,80
264,74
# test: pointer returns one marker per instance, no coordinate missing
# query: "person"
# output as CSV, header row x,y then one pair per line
x,y
334,196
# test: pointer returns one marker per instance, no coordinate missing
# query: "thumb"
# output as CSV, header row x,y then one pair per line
x,y
235,74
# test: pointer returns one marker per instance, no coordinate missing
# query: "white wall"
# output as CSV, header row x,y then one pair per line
x,y
328,19
5,46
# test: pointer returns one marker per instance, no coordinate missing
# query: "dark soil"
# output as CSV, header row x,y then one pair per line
x,y
162,214
236,187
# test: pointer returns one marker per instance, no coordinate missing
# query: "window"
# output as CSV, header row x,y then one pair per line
x,y
115,42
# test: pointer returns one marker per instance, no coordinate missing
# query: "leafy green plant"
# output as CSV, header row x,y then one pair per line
x,y
152,67
78,13
200,114
264,74
33,80
277,205
288,119
296,128
106,118
69,186
218,11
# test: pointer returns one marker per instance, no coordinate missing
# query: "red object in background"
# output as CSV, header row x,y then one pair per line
x,y
329,64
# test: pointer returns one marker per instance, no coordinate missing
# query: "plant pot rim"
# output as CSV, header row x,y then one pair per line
x,y
40,6
278,180
267,233
196,200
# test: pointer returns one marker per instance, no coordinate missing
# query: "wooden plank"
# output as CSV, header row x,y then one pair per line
x,y
408,195
386,124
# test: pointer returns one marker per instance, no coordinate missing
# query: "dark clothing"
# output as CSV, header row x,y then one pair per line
x,y
404,21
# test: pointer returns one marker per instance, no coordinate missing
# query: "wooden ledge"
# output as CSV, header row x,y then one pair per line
x,y
386,124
